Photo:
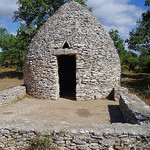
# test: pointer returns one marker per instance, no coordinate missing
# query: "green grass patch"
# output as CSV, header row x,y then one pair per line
x,y
42,143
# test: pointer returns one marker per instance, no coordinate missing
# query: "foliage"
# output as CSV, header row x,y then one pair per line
x,y
31,14
118,42
37,12
129,60
23,37
41,143
1,59
14,46
139,40
8,45
147,3
138,83
140,37
144,59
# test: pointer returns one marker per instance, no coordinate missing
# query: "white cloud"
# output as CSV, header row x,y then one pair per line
x,y
116,14
13,34
113,14
7,7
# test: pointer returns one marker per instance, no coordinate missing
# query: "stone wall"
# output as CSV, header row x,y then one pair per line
x,y
106,137
12,95
97,60
134,109
15,134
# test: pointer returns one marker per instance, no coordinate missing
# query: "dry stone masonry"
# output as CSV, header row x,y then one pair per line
x,y
72,36
135,111
73,52
75,137
12,95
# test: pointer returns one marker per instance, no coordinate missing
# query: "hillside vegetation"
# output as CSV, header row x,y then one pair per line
x,y
137,83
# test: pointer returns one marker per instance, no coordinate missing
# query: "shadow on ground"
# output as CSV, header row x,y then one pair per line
x,y
11,74
138,84
115,114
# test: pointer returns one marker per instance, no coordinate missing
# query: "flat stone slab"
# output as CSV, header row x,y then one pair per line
x,y
82,112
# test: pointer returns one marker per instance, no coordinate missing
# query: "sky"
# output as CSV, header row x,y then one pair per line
x,y
119,15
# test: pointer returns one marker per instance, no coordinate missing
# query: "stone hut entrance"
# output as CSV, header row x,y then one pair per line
x,y
72,39
67,76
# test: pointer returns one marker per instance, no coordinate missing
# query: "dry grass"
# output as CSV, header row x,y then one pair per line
x,y
3,69
9,77
139,84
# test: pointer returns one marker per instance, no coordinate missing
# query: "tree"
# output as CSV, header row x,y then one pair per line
x,y
8,46
23,38
36,12
144,59
14,46
139,39
1,59
147,3
118,42
129,60
32,14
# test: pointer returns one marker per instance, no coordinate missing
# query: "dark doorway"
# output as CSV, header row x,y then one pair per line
x,y
67,76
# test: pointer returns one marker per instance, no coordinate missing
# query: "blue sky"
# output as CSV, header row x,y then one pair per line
x,y
139,3
113,14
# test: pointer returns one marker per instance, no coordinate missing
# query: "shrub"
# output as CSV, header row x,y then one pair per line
x,y
42,143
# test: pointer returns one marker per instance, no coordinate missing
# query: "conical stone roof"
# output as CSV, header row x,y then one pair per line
x,y
97,61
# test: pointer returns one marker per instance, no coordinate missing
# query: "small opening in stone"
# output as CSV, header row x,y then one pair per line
x,y
66,45
67,76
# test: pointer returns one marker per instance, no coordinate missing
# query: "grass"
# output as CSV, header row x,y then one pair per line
x,y
9,77
139,84
10,73
42,143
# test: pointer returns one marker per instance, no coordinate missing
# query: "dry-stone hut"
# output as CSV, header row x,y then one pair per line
x,y
71,55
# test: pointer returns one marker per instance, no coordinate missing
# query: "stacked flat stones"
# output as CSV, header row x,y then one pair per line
x,y
12,95
99,137
97,61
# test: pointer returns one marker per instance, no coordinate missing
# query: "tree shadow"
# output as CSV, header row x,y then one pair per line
x,y
135,76
11,74
115,114
137,83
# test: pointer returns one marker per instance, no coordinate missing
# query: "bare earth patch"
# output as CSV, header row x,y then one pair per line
x,y
95,111
10,82
9,77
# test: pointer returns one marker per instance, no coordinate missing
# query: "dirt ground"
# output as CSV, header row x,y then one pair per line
x,y
95,111
10,82
9,77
